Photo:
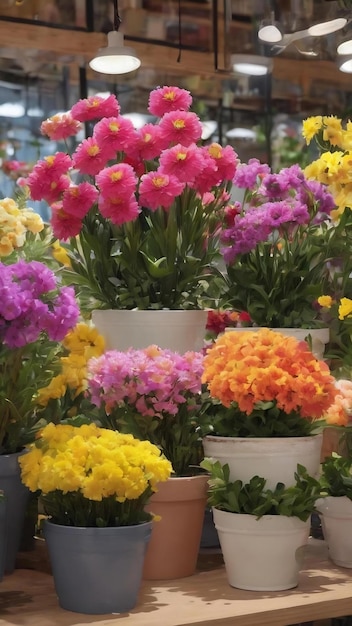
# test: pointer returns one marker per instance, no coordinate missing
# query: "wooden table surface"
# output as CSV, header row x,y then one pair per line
x,y
27,598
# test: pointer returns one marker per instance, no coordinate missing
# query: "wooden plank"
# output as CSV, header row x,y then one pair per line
x,y
27,598
81,46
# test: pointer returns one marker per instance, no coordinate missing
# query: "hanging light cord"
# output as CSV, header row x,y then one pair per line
x,y
179,32
117,18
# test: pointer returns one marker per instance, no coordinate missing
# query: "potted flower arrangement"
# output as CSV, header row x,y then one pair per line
x,y
262,531
267,397
139,211
335,507
95,484
36,312
276,245
23,233
333,138
155,394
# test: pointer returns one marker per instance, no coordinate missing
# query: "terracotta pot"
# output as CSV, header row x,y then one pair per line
x,y
173,548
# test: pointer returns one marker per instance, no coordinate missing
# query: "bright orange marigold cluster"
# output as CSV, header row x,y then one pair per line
x,y
247,367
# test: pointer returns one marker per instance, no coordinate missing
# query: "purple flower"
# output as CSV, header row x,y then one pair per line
x,y
32,302
152,382
247,174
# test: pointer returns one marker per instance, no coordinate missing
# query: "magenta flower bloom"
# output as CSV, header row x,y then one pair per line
x,y
148,144
165,99
33,302
94,108
78,199
105,198
119,210
115,133
60,126
89,157
117,180
44,188
208,177
180,127
64,225
226,160
247,174
183,162
159,190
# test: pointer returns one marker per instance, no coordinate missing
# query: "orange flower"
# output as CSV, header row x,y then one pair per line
x,y
248,367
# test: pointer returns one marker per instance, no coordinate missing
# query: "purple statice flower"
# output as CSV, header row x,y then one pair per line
x,y
247,231
32,302
247,174
318,199
153,382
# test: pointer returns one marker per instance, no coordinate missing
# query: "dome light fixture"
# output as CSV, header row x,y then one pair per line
x,y
270,31
116,58
345,46
345,63
326,28
251,64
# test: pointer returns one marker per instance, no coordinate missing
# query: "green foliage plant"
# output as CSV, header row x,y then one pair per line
x,y
254,499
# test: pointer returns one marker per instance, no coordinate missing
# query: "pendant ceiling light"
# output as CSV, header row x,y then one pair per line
x,y
116,58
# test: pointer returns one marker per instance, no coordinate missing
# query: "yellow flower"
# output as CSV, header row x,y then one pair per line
x,y
311,127
56,389
345,308
60,254
86,340
332,130
325,301
14,224
32,221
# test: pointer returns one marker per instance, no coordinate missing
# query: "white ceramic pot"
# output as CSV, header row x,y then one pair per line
x,y
273,458
336,521
179,331
318,336
263,554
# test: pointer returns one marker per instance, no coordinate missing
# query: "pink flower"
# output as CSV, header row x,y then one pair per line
x,y
148,144
165,99
180,127
117,181
208,177
183,162
119,209
159,190
90,158
95,107
63,224
116,133
226,160
51,166
78,199
46,188
60,126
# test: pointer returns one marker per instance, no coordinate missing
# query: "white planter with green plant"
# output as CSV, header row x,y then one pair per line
x,y
335,508
262,532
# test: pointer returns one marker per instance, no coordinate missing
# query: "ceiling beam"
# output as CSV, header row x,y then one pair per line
x,y
79,46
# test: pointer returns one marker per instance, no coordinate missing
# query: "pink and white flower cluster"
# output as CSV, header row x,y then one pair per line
x,y
126,170
33,303
153,382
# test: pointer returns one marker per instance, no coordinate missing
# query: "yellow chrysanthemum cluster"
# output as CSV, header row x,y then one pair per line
x,y
14,225
82,343
333,167
344,306
97,462
263,366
